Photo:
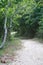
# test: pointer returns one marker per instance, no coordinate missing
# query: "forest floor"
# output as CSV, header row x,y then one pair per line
x,y
30,53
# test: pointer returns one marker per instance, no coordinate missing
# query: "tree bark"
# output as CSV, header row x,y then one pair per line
x,y
5,33
5,27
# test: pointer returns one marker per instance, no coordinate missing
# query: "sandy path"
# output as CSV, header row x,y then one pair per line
x,y
30,54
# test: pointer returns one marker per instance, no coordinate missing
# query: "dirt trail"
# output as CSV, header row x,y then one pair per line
x,y
30,54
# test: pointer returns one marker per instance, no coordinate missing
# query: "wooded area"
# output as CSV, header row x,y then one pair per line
x,y
23,16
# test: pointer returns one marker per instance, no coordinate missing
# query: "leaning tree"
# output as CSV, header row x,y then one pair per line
x,y
4,6
8,10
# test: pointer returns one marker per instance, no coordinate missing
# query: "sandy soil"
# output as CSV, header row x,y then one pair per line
x,y
30,54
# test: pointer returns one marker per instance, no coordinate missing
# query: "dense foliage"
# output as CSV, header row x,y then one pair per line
x,y
29,21
26,17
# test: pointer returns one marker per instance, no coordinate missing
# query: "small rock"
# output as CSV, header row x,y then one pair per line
x,y
3,60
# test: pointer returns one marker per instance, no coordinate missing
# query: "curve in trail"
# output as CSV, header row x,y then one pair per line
x,y
30,54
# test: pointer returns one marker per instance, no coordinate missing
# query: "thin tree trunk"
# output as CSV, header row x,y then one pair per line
x,y
5,27
5,33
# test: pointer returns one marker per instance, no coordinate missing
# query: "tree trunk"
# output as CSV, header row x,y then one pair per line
x,y
5,33
5,27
